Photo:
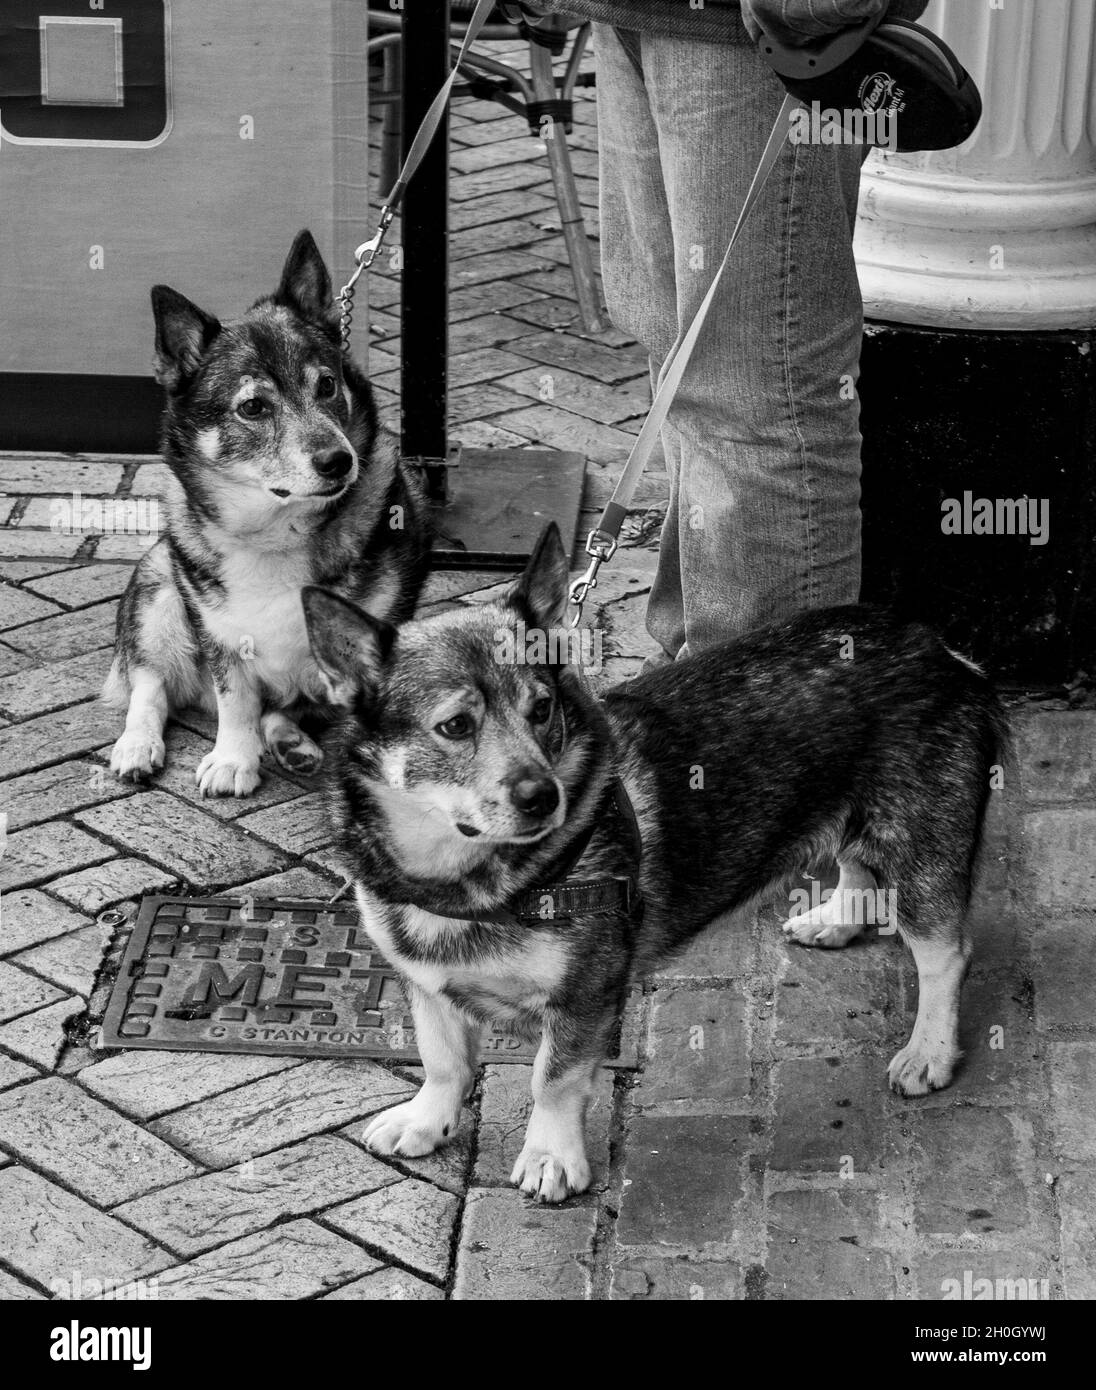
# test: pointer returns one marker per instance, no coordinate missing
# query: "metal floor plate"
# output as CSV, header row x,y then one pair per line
x,y
499,502
296,979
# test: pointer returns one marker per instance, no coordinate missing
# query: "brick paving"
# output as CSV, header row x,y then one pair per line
x,y
755,1154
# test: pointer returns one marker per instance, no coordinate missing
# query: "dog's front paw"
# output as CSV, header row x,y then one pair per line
x,y
550,1177
227,774
919,1069
413,1129
137,755
297,753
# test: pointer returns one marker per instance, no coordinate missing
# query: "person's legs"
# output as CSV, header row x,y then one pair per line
x,y
763,441
637,254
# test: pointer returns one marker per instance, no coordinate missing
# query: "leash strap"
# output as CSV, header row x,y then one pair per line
x,y
368,251
601,543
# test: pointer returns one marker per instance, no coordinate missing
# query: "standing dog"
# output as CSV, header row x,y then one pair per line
x,y
466,789
282,479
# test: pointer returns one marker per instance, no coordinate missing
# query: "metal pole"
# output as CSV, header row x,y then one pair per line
x,y
424,312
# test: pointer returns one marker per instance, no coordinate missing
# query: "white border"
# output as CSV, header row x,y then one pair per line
x,y
169,113
83,22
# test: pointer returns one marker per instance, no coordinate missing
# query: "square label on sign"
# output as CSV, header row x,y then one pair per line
x,y
82,63
68,77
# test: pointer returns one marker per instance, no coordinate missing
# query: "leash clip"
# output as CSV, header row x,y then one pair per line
x,y
369,250
601,547
364,257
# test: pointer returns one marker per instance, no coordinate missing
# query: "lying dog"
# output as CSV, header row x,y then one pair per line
x,y
466,790
283,479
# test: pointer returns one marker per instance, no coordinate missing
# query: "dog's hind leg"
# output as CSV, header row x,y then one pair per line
x,y
448,1043
842,916
289,745
140,750
928,1060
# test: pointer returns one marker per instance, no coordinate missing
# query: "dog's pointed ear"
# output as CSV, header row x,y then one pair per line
x,y
305,284
183,333
540,595
350,647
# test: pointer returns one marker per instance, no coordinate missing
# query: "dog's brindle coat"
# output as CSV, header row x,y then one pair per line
x,y
282,479
458,782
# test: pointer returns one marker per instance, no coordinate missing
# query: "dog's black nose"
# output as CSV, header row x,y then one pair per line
x,y
334,463
535,796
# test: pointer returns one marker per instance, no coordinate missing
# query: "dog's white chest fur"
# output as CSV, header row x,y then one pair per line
x,y
520,981
261,619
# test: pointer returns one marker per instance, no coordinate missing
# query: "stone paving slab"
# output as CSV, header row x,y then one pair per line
x,y
202,1212
268,1114
83,1143
104,885
12,1071
55,737
56,790
69,634
182,839
32,856
297,1260
22,993
48,1233
511,1249
411,1221
71,962
54,686
145,1084
12,1289
387,1284
40,1036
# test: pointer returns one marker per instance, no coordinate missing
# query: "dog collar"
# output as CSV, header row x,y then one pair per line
x,y
577,898
561,897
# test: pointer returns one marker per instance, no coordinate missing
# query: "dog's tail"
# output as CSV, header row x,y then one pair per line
x,y
995,757
115,693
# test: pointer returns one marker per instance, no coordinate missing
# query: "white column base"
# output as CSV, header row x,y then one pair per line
x,y
1001,232
946,253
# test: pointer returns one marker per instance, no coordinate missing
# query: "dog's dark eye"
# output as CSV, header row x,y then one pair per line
x,y
459,726
327,387
252,408
542,710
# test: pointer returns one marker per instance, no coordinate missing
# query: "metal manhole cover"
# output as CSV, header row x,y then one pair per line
x,y
266,975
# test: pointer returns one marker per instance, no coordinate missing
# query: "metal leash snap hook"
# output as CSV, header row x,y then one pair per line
x,y
369,250
580,588
600,546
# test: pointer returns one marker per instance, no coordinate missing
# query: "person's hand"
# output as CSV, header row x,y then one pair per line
x,y
800,21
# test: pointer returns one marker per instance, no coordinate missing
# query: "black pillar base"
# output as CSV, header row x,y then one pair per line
x,y
998,416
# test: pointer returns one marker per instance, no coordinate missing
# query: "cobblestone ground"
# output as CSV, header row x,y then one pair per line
x,y
756,1153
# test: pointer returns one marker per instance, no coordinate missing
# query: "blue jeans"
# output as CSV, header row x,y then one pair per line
x,y
763,443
